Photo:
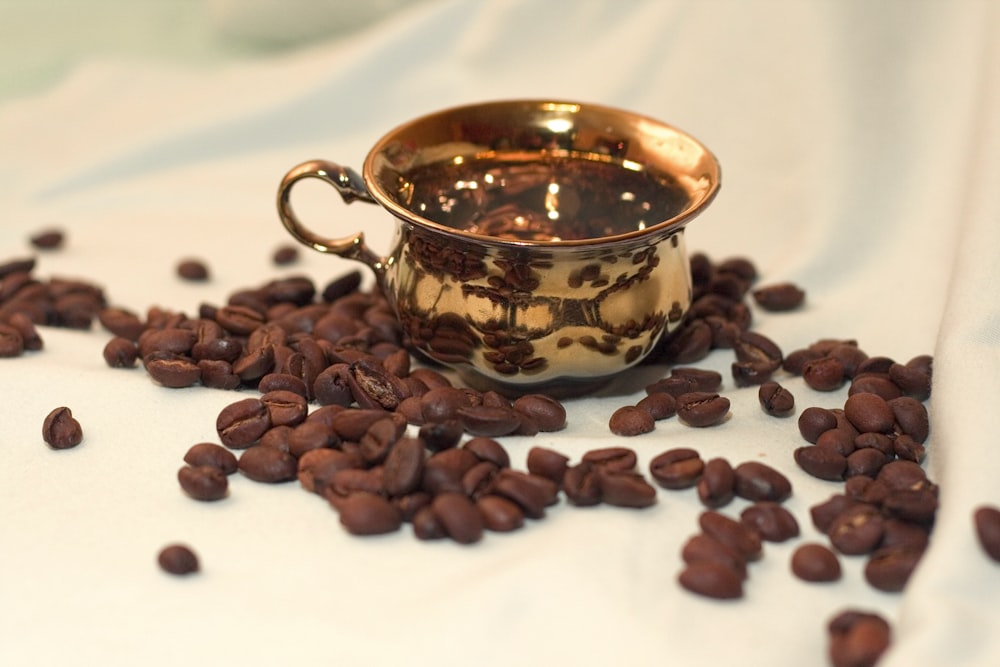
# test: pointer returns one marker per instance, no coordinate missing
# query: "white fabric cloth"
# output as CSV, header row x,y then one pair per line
x,y
859,143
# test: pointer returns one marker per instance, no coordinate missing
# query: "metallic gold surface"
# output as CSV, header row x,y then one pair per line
x,y
539,245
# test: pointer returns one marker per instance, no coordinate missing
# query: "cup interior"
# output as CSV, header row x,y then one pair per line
x,y
541,172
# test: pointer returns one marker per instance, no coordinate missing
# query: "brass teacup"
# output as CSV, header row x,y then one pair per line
x,y
539,245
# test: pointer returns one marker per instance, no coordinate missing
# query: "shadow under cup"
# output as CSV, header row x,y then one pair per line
x,y
538,246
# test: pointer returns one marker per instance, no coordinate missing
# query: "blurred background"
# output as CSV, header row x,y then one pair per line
x,y
42,40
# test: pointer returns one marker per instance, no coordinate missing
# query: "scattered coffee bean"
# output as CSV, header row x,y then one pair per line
x,y
120,352
203,482
857,639
678,468
11,342
756,481
61,430
284,255
630,421
192,270
889,568
548,413
48,239
986,520
711,579
779,297
716,487
824,373
547,463
242,423
211,454
734,534
268,464
459,516
178,559
771,521
364,513
775,399
815,562
659,404
702,409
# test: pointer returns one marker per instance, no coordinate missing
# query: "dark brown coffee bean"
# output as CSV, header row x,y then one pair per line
x,y
914,505
857,639
906,534
824,513
548,413
869,413
377,441
374,387
499,514
899,475
912,381
795,361
239,320
178,559
348,481
751,373
170,370
775,400
889,568
61,430
843,441
699,379
284,255
629,421
120,353
690,343
285,408
779,297
816,563
211,454
547,463
757,349
716,487
857,530
269,465
711,579
459,516
911,417
866,461
824,374
363,513
490,422
866,490
426,525
317,467
581,485
441,435
879,441
204,482
11,342
874,383
444,470
678,468
702,409
488,449
242,423
659,405
532,493
48,239
814,421
615,459
821,462
283,382
771,521
31,340
444,402
674,385
741,538
404,466
351,425
193,270
625,489
701,547
986,521
756,481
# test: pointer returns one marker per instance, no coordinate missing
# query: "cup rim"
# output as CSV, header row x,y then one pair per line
x,y
709,177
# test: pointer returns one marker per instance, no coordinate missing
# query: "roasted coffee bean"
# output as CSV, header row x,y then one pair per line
x,y
352,480
771,521
874,383
699,379
821,462
61,430
48,239
478,480
330,387
268,464
843,441
814,421
499,514
879,441
173,371
889,568
775,399
816,563
986,521
581,485
193,270
285,407
659,405
342,286
615,459
548,413
211,454
690,343
711,579
675,385
756,481
857,639
442,435
701,547
795,361
532,493
443,470
351,425
374,387
178,559
866,490
751,373
239,320
203,482
317,467
242,423
284,255
488,449
283,382
120,353
779,297
547,463
363,513
716,487
758,349
426,525
850,356
911,417
824,513
404,466
30,338
444,402
906,534
625,489
856,530
11,342
869,413
702,409
739,537
678,468
480,420
914,505
899,475
912,381
866,461
824,374
459,516
629,421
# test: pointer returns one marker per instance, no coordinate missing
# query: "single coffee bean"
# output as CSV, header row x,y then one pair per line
x,y
757,349
211,454
11,342
459,516
901,474
843,441
659,405
285,407
48,239
547,463
629,421
741,538
821,462
824,374
869,413
490,422
499,514
31,340
317,467
404,466
581,485
823,514
758,481
699,379
625,489
702,409
242,423
532,493
615,459
678,468
267,464
284,255
193,270
814,421
857,639
912,381
911,417
779,297
352,480
379,439
771,521
866,461
444,402
307,436
914,505
815,562
548,413
120,352
702,547
178,559
204,482
363,513
61,430
711,579
986,520
850,355
857,530
443,471
879,384
775,399
889,568
441,435
351,425
171,370
751,373
716,487
690,343
488,449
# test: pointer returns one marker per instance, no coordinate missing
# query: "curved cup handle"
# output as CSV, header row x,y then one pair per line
x,y
351,187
